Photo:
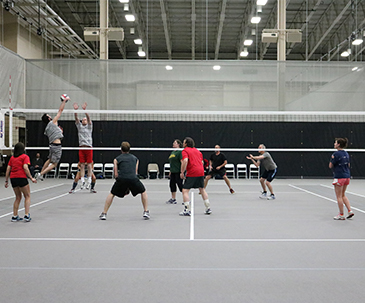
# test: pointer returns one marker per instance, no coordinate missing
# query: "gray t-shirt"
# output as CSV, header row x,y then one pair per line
x,y
85,134
268,162
53,132
127,166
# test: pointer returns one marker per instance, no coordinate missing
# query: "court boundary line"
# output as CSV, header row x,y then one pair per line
x,y
34,191
192,231
186,268
323,197
348,192
36,204
179,240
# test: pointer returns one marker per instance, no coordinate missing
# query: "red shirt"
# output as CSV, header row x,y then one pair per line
x,y
16,164
195,166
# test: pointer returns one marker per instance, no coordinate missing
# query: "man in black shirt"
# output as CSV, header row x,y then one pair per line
x,y
125,173
217,163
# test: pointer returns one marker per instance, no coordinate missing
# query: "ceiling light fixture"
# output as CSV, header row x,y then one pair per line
x,y
216,67
261,2
126,7
355,68
248,42
357,42
141,53
138,41
130,18
131,30
244,53
346,53
169,67
255,20
124,1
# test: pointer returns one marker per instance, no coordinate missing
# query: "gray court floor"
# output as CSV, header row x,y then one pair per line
x,y
249,250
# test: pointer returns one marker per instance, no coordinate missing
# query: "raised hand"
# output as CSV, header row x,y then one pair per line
x,y
76,106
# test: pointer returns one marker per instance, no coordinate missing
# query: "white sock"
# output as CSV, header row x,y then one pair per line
x,y
206,203
187,205
89,180
82,180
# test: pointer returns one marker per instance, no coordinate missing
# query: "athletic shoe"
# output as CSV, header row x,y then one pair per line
x,y
93,191
339,217
16,219
350,214
231,190
263,196
88,186
27,218
171,201
71,191
146,215
208,211
102,216
39,177
82,185
185,212
271,197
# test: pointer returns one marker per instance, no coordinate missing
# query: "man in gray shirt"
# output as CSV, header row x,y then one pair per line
x,y
269,173
55,135
125,173
85,130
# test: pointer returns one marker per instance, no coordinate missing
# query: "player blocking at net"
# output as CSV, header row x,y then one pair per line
x,y
126,180
55,134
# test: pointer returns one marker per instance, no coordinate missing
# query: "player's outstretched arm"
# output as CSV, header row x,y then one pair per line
x,y
60,110
86,114
76,107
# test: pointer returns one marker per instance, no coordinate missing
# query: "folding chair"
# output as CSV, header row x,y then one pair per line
x,y
166,170
241,169
109,170
230,171
254,171
63,170
152,170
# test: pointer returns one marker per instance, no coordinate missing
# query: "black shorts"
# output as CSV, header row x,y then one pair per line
x,y
19,182
269,175
194,182
121,186
220,172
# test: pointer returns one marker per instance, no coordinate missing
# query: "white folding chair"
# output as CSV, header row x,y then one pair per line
x,y
63,170
254,171
153,170
109,170
52,173
74,168
230,171
241,169
98,168
166,170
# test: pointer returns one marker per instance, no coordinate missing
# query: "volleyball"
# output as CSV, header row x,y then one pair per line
x,y
65,97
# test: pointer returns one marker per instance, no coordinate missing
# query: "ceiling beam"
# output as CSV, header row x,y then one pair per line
x,y
193,21
166,27
222,15
323,29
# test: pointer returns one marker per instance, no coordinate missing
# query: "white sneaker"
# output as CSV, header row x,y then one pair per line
x,y
271,197
88,186
339,217
82,185
263,196
350,214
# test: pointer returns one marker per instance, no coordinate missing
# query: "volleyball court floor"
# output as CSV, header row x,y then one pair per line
x,y
248,250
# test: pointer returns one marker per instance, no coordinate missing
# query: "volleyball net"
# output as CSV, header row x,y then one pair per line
x,y
300,142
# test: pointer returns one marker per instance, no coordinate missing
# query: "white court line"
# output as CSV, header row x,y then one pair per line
x,y
192,217
36,204
34,191
349,192
186,268
323,197
180,240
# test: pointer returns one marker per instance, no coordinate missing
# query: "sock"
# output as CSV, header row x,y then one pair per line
x,y
92,185
187,205
89,180
82,180
206,203
74,185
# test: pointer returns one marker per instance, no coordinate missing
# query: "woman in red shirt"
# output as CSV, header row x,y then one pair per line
x,y
18,171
